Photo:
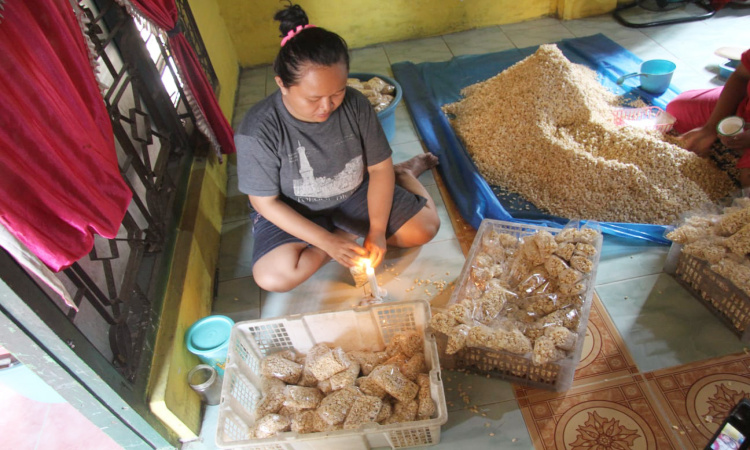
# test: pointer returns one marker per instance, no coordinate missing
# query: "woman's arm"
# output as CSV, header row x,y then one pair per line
x,y
345,252
735,89
379,201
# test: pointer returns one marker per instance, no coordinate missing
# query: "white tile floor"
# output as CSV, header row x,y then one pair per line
x,y
625,267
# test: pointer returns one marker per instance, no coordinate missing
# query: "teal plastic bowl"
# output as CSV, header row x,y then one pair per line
x,y
386,117
208,339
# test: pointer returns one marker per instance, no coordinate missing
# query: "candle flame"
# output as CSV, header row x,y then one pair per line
x,y
365,263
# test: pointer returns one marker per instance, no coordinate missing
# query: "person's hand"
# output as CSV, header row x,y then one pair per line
x,y
345,251
737,142
375,244
698,140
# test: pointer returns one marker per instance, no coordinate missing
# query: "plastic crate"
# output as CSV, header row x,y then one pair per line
x,y
366,328
555,376
725,300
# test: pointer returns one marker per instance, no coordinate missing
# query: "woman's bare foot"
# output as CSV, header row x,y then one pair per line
x,y
416,165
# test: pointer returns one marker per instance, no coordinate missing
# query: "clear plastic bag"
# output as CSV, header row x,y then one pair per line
x,y
426,407
365,409
324,362
270,425
334,407
390,378
277,366
301,397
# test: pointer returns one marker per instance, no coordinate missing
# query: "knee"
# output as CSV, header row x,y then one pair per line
x,y
420,233
273,281
430,229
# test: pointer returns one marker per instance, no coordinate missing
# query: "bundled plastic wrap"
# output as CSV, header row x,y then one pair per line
x,y
364,410
304,421
403,411
367,360
518,287
271,424
426,406
378,92
390,378
720,235
300,397
369,386
345,378
277,366
324,362
334,407
336,390
272,399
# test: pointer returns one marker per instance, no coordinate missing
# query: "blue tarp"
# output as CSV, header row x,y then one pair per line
x,y
428,86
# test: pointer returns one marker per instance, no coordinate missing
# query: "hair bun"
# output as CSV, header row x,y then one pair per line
x,y
290,18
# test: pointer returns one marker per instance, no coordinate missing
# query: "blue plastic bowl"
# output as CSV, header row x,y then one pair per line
x,y
387,117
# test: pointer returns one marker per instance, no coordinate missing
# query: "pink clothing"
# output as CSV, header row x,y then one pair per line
x,y
692,109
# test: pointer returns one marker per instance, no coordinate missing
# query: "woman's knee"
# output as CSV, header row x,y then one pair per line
x,y
273,280
419,230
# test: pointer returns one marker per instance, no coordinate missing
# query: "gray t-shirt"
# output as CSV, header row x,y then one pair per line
x,y
313,166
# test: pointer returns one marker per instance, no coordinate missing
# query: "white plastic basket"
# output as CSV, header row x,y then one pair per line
x,y
650,117
366,328
556,375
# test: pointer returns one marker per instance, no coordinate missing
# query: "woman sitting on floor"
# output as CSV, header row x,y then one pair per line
x,y
698,112
317,167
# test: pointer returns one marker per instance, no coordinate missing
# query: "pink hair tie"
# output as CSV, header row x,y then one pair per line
x,y
294,32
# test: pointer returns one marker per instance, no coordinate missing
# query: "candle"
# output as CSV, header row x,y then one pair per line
x,y
374,288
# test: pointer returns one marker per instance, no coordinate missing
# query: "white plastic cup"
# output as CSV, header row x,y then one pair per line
x,y
206,382
731,126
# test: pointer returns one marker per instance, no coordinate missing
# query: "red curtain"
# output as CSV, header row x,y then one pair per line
x,y
59,176
164,14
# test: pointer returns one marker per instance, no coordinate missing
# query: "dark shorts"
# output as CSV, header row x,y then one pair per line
x,y
351,216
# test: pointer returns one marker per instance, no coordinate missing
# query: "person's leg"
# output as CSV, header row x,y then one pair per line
x,y
413,220
282,262
287,266
423,226
693,108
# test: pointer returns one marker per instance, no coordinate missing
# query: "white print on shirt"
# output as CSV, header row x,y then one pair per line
x,y
308,188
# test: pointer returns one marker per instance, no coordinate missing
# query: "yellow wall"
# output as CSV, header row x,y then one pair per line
x,y
220,47
574,9
366,22
189,297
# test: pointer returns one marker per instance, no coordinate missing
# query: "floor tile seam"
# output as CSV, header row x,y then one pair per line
x,y
234,221
435,241
491,403
599,30
598,285
516,26
387,56
249,277
580,386
657,402
220,279
450,50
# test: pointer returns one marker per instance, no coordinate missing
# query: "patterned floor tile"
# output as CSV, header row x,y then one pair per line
x,y
614,414
604,355
699,396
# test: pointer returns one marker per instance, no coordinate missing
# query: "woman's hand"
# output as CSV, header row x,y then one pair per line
x,y
737,142
699,140
375,244
344,250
